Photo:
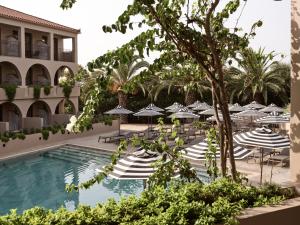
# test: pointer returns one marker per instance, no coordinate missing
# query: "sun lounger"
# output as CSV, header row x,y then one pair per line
x,y
282,158
116,137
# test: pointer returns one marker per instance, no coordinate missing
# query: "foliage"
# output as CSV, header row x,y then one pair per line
x,y
258,75
190,203
67,89
211,153
106,119
36,91
10,91
45,134
47,89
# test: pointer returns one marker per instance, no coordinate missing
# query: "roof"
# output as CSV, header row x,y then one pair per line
x,y
23,17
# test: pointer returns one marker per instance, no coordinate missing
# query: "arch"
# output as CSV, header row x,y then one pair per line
x,y
38,74
9,74
40,109
65,106
60,72
9,112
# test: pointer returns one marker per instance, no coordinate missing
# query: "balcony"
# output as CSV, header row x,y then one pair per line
x,y
10,47
64,55
27,93
39,50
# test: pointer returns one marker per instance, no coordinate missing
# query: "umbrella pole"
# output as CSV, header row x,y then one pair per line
x,y
261,164
144,184
119,124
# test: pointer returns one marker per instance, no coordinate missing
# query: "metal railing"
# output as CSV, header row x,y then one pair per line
x,y
64,55
10,48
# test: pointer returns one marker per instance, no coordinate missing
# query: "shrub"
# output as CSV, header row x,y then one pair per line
x,y
36,92
25,131
67,89
4,139
10,91
21,136
45,134
47,89
190,203
32,130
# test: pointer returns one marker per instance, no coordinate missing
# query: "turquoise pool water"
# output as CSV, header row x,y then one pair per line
x,y
40,180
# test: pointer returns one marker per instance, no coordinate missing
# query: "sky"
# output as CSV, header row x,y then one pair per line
x,y
90,15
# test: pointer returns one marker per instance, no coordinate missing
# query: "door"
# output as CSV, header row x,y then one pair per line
x,y
28,45
55,49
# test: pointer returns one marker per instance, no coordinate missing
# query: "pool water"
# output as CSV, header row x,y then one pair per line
x,y
40,180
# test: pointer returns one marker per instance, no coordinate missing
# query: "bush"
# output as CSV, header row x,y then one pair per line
x,y
190,203
10,91
4,139
67,89
47,90
36,92
21,136
45,134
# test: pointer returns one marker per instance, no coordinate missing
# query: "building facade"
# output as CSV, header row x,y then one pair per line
x,y
34,53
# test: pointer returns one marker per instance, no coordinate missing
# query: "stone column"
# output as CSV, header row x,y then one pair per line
x,y
51,46
22,42
295,92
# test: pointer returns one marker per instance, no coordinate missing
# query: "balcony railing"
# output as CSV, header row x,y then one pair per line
x,y
38,51
10,48
64,55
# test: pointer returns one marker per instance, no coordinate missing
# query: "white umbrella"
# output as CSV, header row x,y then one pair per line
x,y
174,105
273,119
195,104
202,106
148,112
184,113
264,139
254,105
236,108
251,113
233,117
119,110
198,151
155,108
176,108
209,112
272,108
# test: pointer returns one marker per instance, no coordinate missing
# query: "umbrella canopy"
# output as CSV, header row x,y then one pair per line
x,y
174,105
273,119
148,112
202,106
176,108
286,114
251,113
236,108
139,165
272,108
198,151
155,108
119,110
233,117
254,105
195,104
209,112
184,113
263,138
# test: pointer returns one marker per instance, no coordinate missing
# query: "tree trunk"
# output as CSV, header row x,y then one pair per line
x,y
190,97
122,97
258,97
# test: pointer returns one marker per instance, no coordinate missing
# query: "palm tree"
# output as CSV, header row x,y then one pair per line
x,y
121,79
257,75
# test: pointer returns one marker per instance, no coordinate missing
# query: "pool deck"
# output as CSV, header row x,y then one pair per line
x,y
251,170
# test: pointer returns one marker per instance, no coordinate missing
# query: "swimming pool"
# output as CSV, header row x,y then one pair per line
x,y
40,180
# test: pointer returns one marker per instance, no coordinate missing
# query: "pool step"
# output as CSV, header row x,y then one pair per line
x,y
77,155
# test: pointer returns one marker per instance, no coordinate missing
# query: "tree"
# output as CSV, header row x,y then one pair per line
x,y
257,75
121,79
184,30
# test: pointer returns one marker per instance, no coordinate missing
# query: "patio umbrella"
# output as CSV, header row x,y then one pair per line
x,y
262,138
198,151
184,113
176,108
209,112
251,113
236,108
233,117
273,119
174,105
202,106
148,112
155,108
195,104
254,105
119,110
272,108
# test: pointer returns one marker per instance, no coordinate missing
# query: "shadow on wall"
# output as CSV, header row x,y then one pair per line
x,y
295,81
